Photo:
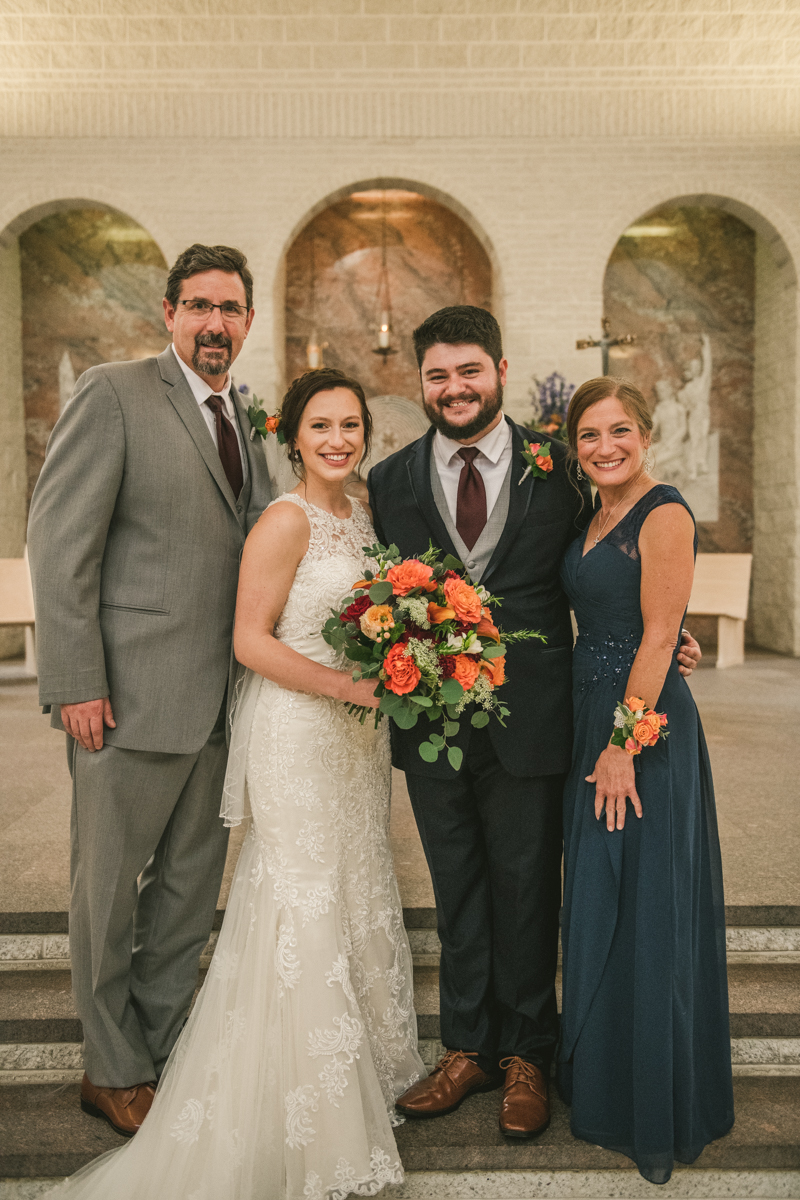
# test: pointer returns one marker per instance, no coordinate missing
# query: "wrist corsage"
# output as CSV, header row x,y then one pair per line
x,y
636,725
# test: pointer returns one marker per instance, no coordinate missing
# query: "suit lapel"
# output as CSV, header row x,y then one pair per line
x,y
250,450
519,502
180,396
419,475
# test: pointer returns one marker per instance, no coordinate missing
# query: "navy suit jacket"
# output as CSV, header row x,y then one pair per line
x,y
544,515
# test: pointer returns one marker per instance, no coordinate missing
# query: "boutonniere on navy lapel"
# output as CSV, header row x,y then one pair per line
x,y
260,423
537,456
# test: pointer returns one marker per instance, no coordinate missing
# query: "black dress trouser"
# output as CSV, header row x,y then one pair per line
x,y
493,845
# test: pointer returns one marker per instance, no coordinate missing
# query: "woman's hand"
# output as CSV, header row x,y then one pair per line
x,y
363,692
615,781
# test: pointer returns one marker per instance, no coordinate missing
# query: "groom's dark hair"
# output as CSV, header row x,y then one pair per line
x,y
459,325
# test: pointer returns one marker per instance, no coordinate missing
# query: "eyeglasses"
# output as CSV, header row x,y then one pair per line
x,y
204,308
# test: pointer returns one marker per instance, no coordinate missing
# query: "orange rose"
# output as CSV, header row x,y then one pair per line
x,y
402,673
535,448
653,719
633,747
377,621
467,669
437,614
643,732
634,703
464,599
408,575
495,670
272,423
544,462
486,627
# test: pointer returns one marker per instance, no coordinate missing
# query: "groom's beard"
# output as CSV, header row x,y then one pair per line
x,y
212,364
490,407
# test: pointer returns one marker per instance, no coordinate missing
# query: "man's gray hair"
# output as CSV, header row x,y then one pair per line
x,y
199,258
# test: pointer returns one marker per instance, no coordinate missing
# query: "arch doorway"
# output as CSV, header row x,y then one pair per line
x,y
80,284
334,296
709,290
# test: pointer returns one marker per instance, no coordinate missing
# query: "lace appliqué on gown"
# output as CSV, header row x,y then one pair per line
x,y
284,1080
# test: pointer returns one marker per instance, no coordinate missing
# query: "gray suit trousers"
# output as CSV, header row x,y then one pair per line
x,y
135,943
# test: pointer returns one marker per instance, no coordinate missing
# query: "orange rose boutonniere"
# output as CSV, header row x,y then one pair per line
x,y
539,460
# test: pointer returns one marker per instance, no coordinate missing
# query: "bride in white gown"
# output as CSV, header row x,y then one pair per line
x,y
282,1084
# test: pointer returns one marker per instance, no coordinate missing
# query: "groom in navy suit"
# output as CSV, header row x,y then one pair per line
x,y
491,831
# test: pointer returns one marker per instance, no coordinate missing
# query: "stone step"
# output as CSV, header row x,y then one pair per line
x,y
43,1134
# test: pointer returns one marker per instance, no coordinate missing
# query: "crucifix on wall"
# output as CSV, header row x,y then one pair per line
x,y
605,343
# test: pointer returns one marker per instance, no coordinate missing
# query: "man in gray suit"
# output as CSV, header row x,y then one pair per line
x,y
149,488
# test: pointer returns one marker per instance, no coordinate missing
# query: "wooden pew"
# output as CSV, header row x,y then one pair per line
x,y
16,604
721,589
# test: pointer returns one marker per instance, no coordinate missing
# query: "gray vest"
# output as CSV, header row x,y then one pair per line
x,y
475,560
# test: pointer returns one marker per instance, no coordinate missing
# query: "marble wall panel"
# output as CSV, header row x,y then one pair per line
x,y
92,285
433,260
683,280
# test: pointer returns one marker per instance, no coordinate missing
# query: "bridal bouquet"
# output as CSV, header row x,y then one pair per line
x,y
422,630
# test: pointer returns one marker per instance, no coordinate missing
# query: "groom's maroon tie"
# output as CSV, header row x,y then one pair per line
x,y
471,504
228,444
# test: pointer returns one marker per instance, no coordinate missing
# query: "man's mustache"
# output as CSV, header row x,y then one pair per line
x,y
218,340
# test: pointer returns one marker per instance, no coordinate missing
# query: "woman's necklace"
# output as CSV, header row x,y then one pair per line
x,y
614,509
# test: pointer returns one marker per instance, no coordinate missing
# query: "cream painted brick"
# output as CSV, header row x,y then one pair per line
x,y
702,54
10,29
100,29
268,30
339,7
727,26
759,6
497,6
442,6
551,6
467,29
310,29
72,57
386,7
206,29
757,54
791,52
390,58
519,29
28,7
651,54
571,29
362,29
679,26
625,28
550,54
157,31
414,29
15,57
282,57
594,8
439,57
777,25
496,56
76,8
708,6
598,54
207,58
47,29
154,9
129,58
338,56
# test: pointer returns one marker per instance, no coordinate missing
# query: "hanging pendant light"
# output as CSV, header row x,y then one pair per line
x,y
384,298
314,347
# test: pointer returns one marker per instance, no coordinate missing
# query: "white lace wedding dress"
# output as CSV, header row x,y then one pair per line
x,y
282,1084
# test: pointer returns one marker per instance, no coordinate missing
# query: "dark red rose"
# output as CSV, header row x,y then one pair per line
x,y
448,664
355,610
452,575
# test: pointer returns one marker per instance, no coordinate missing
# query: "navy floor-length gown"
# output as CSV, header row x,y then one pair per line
x,y
645,1057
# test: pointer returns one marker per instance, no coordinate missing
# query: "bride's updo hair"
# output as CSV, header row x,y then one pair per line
x,y
603,388
302,389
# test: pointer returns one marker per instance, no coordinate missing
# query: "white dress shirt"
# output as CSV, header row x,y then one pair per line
x,y
492,462
201,391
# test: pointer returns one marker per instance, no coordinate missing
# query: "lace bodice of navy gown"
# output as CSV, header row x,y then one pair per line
x,y
603,586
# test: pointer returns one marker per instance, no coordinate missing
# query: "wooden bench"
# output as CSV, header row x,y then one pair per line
x,y
16,604
721,589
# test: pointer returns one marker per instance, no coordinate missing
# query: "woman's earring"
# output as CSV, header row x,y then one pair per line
x,y
580,472
648,460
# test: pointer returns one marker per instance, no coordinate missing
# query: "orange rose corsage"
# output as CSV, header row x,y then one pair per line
x,y
637,726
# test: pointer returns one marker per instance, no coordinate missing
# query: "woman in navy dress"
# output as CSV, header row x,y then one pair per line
x,y
645,1057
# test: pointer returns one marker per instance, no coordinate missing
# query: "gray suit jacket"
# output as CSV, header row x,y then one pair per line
x,y
134,541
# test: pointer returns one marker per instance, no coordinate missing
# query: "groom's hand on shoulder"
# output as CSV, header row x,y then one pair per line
x,y
85,722
689,653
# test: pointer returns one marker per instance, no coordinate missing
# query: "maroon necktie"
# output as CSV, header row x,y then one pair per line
x,y
228,444
471,505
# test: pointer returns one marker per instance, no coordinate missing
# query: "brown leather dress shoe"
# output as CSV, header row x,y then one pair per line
x,y
525,1111
454,1077
123,1108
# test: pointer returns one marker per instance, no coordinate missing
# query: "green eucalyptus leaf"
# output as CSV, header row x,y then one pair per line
x,y
453,564
437,740
428,752
479,719
451,728
455,757
405,717
380,592
451,691
492,650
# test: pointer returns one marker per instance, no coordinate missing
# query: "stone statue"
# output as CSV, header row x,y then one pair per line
x,y
670,433
695,396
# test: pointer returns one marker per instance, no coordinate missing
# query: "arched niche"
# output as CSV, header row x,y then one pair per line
x,y
80,283
434,255
717,281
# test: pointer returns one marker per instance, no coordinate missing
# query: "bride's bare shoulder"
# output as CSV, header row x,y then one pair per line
x,y
283,522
